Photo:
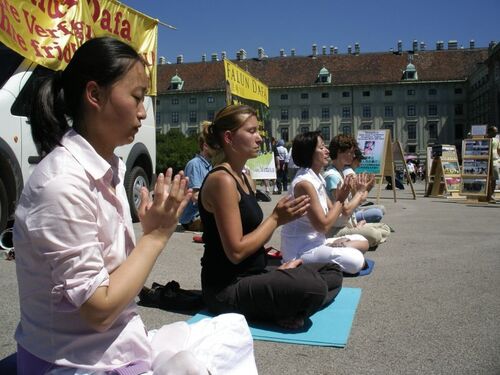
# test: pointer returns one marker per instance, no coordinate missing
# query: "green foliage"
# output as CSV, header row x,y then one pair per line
x,y
174,150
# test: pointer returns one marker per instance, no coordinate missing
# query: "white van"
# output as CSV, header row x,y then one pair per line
x,y
18,153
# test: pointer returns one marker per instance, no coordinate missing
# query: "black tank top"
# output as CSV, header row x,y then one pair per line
x,y
217,270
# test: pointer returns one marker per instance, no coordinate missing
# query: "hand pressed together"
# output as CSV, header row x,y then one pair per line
x,y
170,198
289,209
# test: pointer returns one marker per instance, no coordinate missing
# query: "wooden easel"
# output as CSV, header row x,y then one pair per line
x,y
443,179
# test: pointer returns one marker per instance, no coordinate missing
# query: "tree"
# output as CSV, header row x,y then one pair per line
x,y
174,150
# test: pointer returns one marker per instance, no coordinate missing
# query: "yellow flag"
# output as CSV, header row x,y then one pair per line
x,y
245,85
48,32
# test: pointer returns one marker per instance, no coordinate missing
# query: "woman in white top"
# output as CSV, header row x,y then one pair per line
x,y
305,238
78,266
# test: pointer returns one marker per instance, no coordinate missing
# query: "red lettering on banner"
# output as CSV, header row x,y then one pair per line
x,y
51,7
7,27
114,26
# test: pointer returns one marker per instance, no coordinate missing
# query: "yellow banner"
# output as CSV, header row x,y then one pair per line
x,y
244,85
48,32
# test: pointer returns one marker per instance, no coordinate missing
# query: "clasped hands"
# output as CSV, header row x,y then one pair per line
x,y
162,211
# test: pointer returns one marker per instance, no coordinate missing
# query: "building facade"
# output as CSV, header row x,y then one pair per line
x,y
422,96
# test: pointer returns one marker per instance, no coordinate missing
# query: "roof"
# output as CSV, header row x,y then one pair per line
x,y
345,69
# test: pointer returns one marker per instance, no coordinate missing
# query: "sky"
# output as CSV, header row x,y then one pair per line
x,y
209,26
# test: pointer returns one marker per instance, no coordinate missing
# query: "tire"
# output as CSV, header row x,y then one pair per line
x,y
136,180
4,207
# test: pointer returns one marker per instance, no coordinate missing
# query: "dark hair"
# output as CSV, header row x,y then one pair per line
x,y
303,147
228,118
59,97
341,143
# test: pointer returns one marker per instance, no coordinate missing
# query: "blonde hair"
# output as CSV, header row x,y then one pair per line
x,y
228,118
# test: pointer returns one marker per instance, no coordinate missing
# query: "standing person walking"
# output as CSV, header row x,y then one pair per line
x,y
282,166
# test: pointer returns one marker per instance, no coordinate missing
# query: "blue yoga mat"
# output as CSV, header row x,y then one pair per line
x,y
330,326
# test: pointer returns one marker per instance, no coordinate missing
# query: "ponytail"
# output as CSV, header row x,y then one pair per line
x,y
47,118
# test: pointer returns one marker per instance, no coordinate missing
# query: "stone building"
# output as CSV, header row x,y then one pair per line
x,y
422,96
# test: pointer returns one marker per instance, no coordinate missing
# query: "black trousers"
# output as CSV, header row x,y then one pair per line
x,y
278,294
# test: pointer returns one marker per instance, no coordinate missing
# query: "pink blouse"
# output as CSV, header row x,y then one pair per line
x,y
71,231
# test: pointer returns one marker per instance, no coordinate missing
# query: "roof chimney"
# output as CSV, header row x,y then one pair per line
x,y
335,50
472,44
415,45
452,44
349,49
400,46
331,50
439,45
282,52
314,50
204,57
422,46
356,48
323,50
292,52
214,57
180,59
162,60
260,53
223,55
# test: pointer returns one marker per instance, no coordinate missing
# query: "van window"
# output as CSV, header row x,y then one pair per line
x,y
22,105
9,61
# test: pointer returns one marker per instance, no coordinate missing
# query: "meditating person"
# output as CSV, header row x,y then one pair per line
x,y
305,238
372,213
234,275
78,266
342,148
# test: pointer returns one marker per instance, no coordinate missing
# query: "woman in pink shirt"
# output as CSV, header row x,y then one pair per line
x,y
79,267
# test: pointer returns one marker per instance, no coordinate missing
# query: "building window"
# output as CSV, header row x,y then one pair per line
x,y
459,109
366,93
210,99
346,112
388,111
346,129
175,117
433,109
459,131
284,96
192,131
367,111
433,130
304,95
325,95
304,129
411,110
304,114
390,127
412,132
432,92
193,117
325,133
458,90
325,113
158,118
412,149
284,134
284,114
411,92
366,126
346,94
192,100
175,101
210,115
388,93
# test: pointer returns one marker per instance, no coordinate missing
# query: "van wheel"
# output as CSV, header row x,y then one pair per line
x,y
4,207
137,179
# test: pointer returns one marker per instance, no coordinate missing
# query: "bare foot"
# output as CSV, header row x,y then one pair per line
x,y
291,323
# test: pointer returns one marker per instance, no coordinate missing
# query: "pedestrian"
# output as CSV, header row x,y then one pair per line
x,y
282,166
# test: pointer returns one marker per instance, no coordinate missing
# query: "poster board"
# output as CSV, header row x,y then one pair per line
x,y
476,168
376,147
262,167
444,176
